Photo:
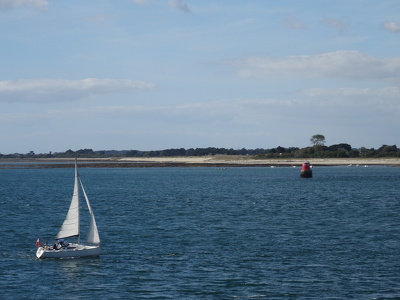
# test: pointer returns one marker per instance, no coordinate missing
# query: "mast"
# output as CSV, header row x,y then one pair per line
x,y
76,186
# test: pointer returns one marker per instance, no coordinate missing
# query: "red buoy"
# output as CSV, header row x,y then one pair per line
x,y
306,171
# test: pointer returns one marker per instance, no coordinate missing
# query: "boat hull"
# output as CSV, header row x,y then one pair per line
x,y
79,251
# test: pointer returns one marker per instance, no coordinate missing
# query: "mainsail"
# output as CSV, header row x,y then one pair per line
x,y
70,227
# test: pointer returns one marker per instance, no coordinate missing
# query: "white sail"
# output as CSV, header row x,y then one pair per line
x,y
70,227
92,234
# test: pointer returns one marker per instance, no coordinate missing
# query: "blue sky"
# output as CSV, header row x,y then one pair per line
x,y
158,74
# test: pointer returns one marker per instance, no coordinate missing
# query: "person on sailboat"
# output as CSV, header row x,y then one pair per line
x,y
57,245
63,243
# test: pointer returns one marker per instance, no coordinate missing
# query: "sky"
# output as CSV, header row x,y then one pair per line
x,y
160,74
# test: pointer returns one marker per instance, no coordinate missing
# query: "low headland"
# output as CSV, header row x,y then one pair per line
x,y
191,161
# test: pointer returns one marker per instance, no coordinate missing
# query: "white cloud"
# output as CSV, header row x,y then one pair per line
x,y
388,93
138,2
45,90
178,4
339,25
366,99
392,27
336,65
293,23
39,4
101,18
316,104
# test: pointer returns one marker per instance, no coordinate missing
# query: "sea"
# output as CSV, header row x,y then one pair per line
x,y
207,233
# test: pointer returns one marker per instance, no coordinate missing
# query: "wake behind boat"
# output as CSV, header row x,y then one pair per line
x,y
71,228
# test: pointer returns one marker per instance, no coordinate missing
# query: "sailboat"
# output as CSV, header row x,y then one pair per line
x,y
71,228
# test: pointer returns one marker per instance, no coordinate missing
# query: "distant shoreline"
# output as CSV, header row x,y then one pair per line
x,y
192,161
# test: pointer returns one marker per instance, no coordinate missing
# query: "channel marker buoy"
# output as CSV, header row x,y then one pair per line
x,y
306,171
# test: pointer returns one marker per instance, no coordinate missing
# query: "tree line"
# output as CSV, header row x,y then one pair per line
x,y
318,150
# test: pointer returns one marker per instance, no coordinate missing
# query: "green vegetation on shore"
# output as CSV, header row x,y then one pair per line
x,y
317,151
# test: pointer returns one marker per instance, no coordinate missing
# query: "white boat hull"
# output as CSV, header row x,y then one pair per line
x,y
78,251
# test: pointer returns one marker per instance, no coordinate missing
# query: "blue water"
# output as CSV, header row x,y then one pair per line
x,y
207,233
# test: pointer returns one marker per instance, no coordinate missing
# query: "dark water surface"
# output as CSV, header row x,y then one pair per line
x,y
207,233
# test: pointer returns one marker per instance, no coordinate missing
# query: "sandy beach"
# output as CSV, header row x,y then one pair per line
x,y
248,160
194,161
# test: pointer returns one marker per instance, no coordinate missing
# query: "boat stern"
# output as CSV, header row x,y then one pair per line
x,y
39,252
